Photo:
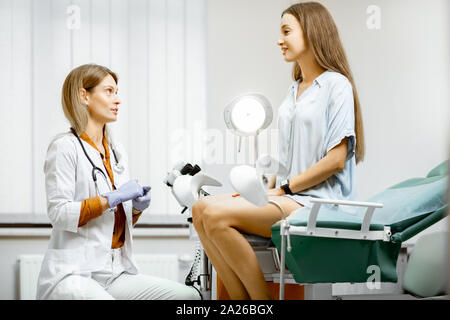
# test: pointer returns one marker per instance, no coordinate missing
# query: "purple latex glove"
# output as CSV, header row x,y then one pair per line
x,y
127,191
142,203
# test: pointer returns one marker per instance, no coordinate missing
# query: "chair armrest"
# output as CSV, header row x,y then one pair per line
x,y
347,203
365,226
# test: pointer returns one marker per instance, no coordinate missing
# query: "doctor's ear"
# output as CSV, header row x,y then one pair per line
x,y
83,95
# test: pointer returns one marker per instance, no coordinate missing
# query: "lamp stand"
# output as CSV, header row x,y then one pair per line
x,y
255,147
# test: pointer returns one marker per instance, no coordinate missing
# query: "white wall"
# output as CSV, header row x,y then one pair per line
x,y
242,57
401,72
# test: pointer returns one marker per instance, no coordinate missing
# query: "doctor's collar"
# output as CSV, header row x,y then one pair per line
x,y
88,140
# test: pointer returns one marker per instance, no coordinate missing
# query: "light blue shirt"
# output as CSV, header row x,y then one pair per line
x,y
312,125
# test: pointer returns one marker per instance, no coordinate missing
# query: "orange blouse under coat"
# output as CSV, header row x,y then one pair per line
x,y
91,208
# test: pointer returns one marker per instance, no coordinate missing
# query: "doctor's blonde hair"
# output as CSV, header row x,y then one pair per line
x,y
324,41
85,77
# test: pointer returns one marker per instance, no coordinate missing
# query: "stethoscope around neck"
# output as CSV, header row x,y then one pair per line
x,y
95,170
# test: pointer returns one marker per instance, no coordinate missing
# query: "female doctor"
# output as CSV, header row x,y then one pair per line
x,y
320,142
92,204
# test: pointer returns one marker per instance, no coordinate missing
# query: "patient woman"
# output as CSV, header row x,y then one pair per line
x,y
321,141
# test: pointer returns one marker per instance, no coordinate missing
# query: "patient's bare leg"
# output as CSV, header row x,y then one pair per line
x,y
221,221
234,286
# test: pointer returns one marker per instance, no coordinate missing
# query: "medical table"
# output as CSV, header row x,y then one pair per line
x,y
344,241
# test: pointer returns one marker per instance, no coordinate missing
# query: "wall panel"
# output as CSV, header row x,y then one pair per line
x,y
157,103
15,164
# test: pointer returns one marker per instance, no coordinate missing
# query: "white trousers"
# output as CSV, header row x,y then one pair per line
x,y
114,283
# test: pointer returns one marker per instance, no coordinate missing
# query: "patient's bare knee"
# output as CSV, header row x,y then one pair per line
x,y
197,213
214,220
203,209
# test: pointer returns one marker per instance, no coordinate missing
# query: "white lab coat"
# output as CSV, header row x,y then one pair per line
x,y
68,181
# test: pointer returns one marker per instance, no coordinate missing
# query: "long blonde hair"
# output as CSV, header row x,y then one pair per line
x,y
323,38
86,76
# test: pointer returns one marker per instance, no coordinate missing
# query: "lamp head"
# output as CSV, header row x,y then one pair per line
x,y
247,114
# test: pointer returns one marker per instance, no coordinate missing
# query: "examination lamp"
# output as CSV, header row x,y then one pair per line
x,y
252,184
248,114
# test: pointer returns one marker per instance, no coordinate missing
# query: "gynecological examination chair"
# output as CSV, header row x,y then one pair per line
x,y
336,243
329,245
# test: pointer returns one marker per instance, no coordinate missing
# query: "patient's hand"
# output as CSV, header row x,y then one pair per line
x,y
275,192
